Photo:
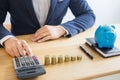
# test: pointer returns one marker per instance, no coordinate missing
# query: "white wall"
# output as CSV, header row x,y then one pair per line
x,y
107,11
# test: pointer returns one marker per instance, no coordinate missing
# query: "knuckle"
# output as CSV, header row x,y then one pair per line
x,y
47,27
24,42
18,43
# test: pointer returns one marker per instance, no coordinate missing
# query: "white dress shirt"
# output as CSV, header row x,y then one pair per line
x,y
41,8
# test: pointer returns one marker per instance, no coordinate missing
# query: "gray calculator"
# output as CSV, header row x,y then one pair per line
x,y
28,66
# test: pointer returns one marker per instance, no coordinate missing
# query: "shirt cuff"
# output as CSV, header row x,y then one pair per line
x,y
67,33
5,38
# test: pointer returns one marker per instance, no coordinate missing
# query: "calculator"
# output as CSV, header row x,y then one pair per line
x,y
28,66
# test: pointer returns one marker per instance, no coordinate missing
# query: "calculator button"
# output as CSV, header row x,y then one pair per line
x,y
31,61
22,61
35,59
17,62
27,61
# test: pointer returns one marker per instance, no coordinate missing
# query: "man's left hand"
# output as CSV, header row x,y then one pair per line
x,y
48,32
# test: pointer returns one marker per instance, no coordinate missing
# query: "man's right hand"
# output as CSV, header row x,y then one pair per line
x,y
16,48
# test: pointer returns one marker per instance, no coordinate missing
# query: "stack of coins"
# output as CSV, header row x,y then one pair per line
x,y
47,60
73,58
60,59
67,58
53,60
79,57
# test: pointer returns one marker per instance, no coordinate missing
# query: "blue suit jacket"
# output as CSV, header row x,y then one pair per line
x,y
24,21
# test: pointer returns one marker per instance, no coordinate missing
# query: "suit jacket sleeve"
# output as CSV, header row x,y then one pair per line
x,y
84,17
3,12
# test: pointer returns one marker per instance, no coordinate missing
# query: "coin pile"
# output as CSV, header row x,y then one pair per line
x,y
60,59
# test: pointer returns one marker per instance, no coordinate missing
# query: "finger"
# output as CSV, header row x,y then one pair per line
x,y
44,39
40,31
26,47
39,34
42,35
16,52
11,53
20,49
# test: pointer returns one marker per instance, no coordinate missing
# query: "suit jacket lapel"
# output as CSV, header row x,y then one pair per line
x,y
51,10
31,12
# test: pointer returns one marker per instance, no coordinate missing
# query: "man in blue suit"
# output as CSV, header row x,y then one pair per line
x,y
42,18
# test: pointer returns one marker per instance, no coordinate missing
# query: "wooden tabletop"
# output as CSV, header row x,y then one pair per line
x,y
84,69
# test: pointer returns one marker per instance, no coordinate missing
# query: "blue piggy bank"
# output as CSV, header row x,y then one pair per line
x,y
105,36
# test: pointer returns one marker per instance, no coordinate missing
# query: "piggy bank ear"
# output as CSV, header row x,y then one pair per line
x,y
113,26
99,26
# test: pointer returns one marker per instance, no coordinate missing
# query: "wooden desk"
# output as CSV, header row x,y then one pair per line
x,y
84,69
